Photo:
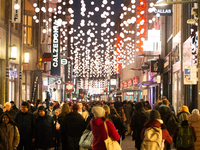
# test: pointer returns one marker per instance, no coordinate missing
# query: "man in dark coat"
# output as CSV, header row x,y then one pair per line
x,y
26,125
73,126
128,112
138,119
45,130
13,107
169,119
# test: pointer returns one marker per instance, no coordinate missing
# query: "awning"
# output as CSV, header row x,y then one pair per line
x,y
131,90
148,83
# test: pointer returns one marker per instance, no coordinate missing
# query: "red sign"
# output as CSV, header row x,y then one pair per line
x,y
129,82
125,84
69,87
121,85
135,80
129,94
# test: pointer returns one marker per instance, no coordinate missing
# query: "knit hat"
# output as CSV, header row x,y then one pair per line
x,y
98,111
185,109
25,104
41,108
154,114
139,105
195,111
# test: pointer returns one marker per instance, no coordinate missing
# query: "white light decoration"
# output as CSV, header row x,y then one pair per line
x,y
37,9
35,5
34,17
37,21
16,7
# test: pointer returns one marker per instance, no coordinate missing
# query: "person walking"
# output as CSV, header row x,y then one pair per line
x,y
57,125
153,126
45,130
99,131
9,134
194,121
184,110
137,122
184,135
73,126
128,112
81,111
26,125
10,111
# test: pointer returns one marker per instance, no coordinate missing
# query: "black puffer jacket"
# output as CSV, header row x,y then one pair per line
x,y
45,132
73,125
26,125
169,118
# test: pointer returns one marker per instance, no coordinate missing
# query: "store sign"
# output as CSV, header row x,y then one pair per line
x,y
16,11
55,48
113,82
69,87
163,11
194,44
125,84
190,74
129,94
158,79
152,46
43,34
121,85
154,35
157,66
63,61
68,71
129,82
36,78
135,80
13,73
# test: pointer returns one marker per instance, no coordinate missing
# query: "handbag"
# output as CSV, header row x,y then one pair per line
x,y
110,143
86,139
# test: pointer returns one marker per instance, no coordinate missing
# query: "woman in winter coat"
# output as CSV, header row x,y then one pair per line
x,y
9,134
45,130
155,121
99,131
184,124
194,121
183,110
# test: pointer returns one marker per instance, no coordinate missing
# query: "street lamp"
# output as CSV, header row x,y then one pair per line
x,y
26,58
13,52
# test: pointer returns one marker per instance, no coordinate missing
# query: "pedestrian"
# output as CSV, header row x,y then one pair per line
x,y
26,125
45,130
118,123
128,112
137,122
184,135
10,111
73,126
9,134
169,119
194,121
57,125
184,110
80,111
64,111
13,107
154,133
98,129
50,110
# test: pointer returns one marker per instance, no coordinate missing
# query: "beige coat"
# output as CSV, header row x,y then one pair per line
x,y
194,121
9,137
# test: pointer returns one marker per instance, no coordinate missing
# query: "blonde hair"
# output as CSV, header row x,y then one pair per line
x,y
107,109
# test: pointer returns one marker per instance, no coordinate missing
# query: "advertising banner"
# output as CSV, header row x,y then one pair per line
x,y
69,87
190,74
16,11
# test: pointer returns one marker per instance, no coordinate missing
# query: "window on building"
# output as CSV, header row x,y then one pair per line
x,y
2,9
27,28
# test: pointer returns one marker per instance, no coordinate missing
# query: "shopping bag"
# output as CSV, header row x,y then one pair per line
x,y
110,143
86,139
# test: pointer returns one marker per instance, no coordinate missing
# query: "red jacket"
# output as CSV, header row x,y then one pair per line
x,y
99,133
156,123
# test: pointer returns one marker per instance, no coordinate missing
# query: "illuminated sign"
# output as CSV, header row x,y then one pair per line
x,y
125,84
129,82
16,11
121,85
194,44
55,48
163,11
129,94
154,35
69,87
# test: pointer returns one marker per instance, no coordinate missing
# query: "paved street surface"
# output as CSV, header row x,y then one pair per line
x,y
128,144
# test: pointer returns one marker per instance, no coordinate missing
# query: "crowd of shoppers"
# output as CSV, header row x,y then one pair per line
x,y
55,126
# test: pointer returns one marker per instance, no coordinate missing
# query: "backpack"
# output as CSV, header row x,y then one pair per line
x,y
153,139
185,137
141,119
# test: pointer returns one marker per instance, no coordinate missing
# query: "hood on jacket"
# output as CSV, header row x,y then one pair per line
x,y
153,123
97,121
193,118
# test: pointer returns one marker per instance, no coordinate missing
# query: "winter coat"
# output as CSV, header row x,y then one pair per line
x,y
169,118
100,134
181,113
156,123
176,134
73,125
128,112
45,132
118,125
26,125
194,121
9,137
12,113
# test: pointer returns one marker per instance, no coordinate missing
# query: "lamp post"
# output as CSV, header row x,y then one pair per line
x,y
168,2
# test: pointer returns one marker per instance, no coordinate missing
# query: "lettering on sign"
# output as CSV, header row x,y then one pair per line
x,y
55,50
16,13
121,85
125,83
135,80
129,82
